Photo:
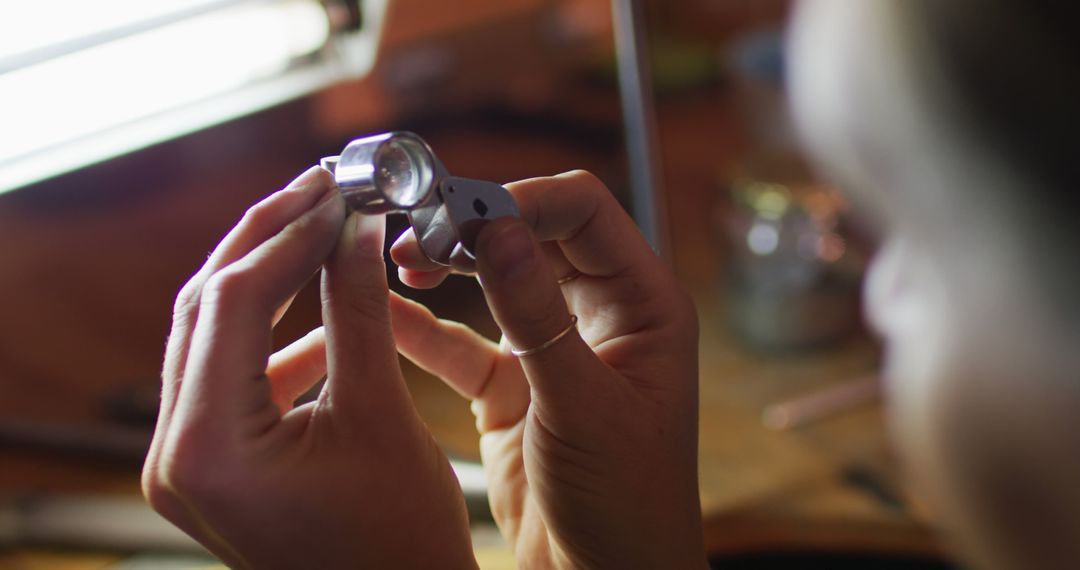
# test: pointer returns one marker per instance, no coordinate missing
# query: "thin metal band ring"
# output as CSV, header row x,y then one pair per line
x,y
568,278
530,351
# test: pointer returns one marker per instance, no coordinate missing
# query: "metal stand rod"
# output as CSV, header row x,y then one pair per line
x,y
639,123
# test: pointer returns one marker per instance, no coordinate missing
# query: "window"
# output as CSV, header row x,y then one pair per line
x,y
81,82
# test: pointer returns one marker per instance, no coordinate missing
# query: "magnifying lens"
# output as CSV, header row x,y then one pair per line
x,y
398,172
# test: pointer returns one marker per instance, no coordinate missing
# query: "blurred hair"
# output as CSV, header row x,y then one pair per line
x,y
1011,72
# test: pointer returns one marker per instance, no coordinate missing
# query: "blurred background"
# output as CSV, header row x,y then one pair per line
x,y
134,134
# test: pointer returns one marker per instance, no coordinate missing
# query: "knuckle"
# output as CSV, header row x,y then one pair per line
x,y
151,486
256,216
317,233
297,228
188,297
225,287
590,183
368,252
589,197
192,484
185,472
179,473
156,493
361,306
452,327
584,177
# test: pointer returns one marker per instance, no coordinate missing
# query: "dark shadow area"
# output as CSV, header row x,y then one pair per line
x,y
827,561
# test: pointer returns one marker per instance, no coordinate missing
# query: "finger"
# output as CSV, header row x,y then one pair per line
x,y
406,252
594,232
623,287
259,223
267,218
452,351
559,264
294,369
469,363
414,268
422,279
528,305
363,372
416,271
224,381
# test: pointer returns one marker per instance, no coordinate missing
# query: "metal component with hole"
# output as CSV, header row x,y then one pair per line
x,y
398,172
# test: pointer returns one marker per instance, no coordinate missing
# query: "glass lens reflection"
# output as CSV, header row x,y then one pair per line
x,y
402,172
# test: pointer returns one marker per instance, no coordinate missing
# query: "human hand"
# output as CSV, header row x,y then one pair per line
x,y
590,445
353,479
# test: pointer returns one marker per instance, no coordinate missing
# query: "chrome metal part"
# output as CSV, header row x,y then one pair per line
x,y
398,172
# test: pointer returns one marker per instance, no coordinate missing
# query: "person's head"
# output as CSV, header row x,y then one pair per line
x,y
951,124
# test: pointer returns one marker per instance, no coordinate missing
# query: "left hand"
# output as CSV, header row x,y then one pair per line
x,y
589,445
353,479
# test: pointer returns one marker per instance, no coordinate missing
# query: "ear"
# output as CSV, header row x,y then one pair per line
x,y
892,299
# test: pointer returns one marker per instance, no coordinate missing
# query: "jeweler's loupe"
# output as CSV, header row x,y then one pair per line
x,y
398,172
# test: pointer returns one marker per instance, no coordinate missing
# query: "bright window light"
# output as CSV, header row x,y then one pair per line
x,y
84,92
38,28
81,82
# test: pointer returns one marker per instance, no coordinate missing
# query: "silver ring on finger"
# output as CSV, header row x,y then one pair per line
x,y
548,343
568,278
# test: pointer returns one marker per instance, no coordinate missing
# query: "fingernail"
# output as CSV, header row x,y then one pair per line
x,y
404,255
312,181
405,237
509,251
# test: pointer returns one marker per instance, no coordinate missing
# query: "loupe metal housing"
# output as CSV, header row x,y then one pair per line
x,y
398,172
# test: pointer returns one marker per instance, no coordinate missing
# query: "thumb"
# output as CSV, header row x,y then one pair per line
x,y
527,303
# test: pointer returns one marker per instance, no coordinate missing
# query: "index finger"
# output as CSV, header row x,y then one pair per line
x,y
575,210
225,374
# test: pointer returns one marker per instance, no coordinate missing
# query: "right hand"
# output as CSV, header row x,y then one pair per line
x,y
590,446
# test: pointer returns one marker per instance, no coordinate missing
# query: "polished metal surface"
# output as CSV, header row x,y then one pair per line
x,y
398,172
639,123
391,172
